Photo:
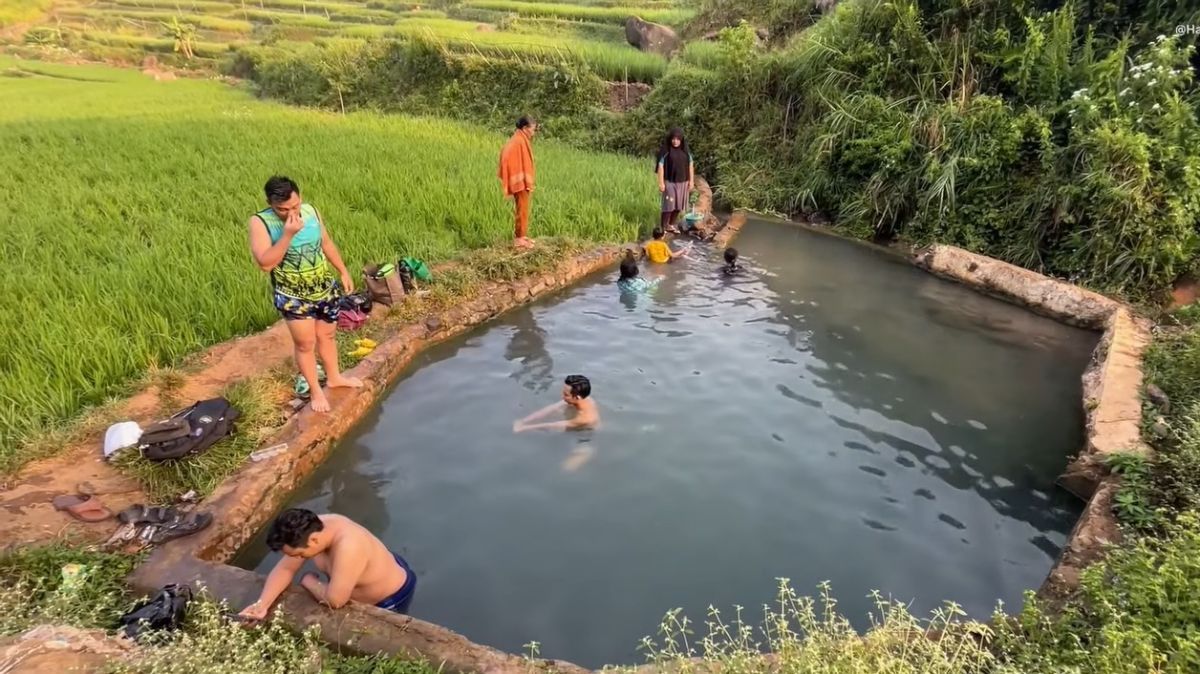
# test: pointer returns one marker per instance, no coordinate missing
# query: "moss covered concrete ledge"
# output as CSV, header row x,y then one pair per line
x,y
247,500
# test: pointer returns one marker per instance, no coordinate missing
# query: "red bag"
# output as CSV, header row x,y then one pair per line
x,y
351,319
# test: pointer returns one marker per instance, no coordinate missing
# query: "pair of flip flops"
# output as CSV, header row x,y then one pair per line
x,y
83,507
164,523
301,388
365,347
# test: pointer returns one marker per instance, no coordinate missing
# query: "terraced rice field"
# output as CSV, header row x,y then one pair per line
x,y
585,31
124,204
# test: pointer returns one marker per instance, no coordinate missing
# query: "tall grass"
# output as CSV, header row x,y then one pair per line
x,y
155,44
152,20
585,12
285,18
609,60
17,11
702,54
185,7
805,635
124,206
563,28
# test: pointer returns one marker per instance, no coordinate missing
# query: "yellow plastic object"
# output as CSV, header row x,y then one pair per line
x,y
360,352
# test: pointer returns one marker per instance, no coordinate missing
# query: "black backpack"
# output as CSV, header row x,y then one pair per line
x,y
166,611
207,422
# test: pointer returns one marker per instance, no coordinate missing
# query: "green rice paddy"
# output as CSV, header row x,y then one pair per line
x,y
124,206
589,32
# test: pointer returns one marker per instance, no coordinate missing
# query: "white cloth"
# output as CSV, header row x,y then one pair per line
x,y
121,435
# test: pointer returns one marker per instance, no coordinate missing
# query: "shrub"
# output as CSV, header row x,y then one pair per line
x,y
1019,133
806,635
34,588
1138,611
421,77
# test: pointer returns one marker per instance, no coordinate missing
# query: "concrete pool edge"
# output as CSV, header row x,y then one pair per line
x,y
1111,391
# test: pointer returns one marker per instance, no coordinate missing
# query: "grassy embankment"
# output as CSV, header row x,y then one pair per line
x,y
125,205
584,33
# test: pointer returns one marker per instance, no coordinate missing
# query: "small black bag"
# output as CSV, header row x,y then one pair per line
x,y
208,421
165,611
360,300
161,431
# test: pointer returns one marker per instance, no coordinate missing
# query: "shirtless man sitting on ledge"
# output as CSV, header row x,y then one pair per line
x,y
358,565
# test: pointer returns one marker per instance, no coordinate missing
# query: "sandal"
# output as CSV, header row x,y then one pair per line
x,y
183,525
143,514
82,508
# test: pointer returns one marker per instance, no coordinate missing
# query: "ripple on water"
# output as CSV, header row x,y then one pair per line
x,y
1046,545
925,494
792,395
859,446
938,418
936,462
905,461
951,521
873,470
977,425
877,525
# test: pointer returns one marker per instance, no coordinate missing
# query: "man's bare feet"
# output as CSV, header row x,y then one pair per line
x,y
344,382
319,402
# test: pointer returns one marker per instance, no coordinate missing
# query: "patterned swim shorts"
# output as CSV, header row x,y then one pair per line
x,y
295,309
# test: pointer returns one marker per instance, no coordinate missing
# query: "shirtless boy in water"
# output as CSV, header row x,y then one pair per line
x,y
357,563
576,394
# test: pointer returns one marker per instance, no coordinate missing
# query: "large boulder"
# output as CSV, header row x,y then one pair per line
x,y
651,37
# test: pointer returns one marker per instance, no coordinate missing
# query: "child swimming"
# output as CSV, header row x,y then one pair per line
x,y
659,251
731,262
630,280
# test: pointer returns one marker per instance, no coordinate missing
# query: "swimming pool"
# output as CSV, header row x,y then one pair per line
x,y
833,414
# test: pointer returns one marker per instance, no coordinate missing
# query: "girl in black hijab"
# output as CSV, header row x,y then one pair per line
x,y
676,177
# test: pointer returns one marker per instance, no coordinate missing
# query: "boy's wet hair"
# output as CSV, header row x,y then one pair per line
x,y
292,528
579,384
657,233
731,255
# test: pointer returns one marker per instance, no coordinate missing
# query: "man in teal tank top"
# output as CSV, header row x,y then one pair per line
x,y
290,242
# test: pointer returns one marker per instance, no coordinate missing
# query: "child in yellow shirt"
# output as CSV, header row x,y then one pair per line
x,y
659,251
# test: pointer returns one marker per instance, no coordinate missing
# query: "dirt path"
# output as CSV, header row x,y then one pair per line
x,y
26,516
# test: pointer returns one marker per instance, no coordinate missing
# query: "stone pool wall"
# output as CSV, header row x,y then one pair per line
x,y
248,499
1112,385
